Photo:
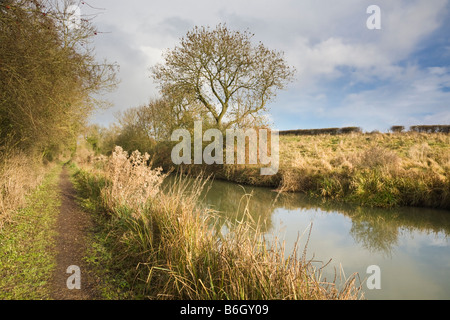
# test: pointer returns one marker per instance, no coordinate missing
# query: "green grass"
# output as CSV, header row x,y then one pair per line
x,y
27,255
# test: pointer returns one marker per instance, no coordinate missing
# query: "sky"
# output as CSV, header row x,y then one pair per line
x,y
346,73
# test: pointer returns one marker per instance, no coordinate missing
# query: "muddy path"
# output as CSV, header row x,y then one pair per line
x,y
73,226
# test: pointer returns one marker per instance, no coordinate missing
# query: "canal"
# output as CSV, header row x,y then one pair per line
x,y
409,246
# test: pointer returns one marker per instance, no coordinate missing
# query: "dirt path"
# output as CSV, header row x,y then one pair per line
x,y
73,225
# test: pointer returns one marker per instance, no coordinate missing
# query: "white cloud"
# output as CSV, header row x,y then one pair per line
x,y
406,23
327,41
374,52
324,59
416,98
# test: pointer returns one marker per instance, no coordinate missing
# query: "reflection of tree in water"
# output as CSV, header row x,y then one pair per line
x,y
375,229
374,235
378,229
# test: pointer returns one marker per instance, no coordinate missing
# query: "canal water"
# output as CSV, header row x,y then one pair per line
x,y
410,246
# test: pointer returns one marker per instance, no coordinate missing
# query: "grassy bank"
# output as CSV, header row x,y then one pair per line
x,y
378,170
27,255
176,252
382,170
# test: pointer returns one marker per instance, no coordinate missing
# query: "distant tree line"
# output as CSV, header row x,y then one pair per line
x,y
347,130
423,128
331,131
431,128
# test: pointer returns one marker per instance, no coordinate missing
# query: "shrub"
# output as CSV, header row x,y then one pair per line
x,y
131,181
378,157
397,129
347,130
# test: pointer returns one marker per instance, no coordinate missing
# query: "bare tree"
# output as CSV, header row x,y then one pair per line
x,y
232,78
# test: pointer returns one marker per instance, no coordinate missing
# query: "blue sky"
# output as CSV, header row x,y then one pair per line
x,y
347,75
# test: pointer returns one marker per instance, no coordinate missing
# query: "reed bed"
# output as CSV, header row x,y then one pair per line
x,y
181,256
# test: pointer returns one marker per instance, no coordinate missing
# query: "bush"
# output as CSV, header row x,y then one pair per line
x,y
131,181
347,130
397,129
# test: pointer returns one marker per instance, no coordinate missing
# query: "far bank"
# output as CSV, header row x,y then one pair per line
x,y
369,169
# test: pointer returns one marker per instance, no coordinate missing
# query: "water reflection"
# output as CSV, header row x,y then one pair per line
x,y
377,230
410,245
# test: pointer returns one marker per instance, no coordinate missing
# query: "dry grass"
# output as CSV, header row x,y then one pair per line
x,y
19,175
132,181
195,262
182,253
394,151
374,169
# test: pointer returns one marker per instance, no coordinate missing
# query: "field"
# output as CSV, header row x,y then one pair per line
x,y
370,169
385,170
